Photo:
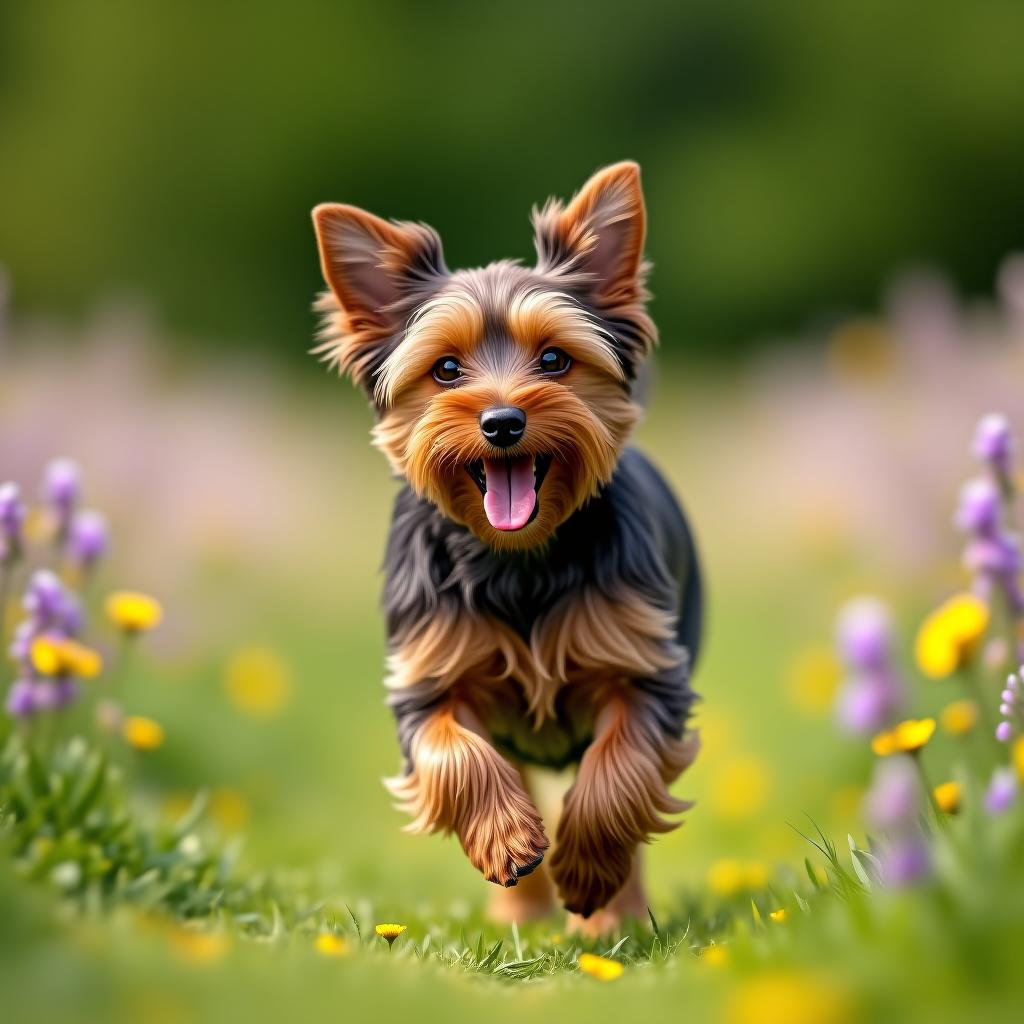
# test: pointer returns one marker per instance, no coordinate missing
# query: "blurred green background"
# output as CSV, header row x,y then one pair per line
x,y
794,153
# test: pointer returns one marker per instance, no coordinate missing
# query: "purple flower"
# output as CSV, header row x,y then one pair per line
x,y
61,488
978,510
87,538
46,695
894,800
1001,792
12,515
21,699
905,861
864,633
869,702
1004,732
44,597
872,695
993,443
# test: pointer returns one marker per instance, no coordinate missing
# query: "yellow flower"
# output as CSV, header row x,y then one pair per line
x,y
229,809
600,967
390,932
329,944
133,612
729,877
788,997
813,679
950,635
142,733
1018,757
57,656
947,797
715,955
197,946
905,738
959,717
258,681
740,788
778,915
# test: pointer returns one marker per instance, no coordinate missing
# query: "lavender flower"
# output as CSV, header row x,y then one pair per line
x,y
21,699
45,598
993,444
1011,707
894,804
87,538
1002,791
12,516
61,489
992,554
905,861
873,694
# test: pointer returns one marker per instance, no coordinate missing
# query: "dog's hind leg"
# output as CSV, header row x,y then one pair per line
x,y
459,783
618,801
628,904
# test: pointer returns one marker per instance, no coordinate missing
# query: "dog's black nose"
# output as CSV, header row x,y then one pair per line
x,y
503,425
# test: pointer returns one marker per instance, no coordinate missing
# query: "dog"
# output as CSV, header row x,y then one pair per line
x,y
543,595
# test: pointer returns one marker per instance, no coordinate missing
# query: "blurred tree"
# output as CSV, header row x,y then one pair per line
x,y
795,154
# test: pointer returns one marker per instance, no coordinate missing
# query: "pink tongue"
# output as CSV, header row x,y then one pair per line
x,y
510,495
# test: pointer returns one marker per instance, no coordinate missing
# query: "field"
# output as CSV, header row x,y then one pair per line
x,y
249,502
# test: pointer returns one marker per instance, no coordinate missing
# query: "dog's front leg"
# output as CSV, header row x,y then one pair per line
x,y
618,800
457,782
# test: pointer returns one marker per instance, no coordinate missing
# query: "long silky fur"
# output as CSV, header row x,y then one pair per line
x,y
573,639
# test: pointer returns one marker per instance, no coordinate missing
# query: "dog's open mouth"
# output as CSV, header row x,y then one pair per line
x,y
510,488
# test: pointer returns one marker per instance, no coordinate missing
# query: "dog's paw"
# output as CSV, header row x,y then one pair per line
x,y
507,846
588,878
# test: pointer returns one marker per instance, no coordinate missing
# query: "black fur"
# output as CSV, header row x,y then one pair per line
x,y
632,536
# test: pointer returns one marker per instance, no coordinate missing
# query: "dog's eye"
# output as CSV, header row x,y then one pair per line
x,y
553,360
447,370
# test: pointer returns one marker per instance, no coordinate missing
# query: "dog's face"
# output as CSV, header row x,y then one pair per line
x,y
503,394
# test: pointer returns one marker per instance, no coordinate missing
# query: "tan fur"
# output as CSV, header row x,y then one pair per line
x,y
459,783
618,801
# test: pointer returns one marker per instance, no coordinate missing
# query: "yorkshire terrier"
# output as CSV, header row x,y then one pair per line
x,y
542,596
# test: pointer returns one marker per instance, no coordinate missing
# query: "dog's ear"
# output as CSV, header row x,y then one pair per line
x,y
598,238
378,271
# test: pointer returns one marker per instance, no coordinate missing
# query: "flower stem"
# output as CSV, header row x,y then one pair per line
x,y
929,792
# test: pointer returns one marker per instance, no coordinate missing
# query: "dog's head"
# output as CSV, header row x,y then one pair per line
x,y
503,394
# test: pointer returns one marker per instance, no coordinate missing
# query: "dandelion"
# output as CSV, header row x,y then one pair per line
x,y
600,967
729,877
329,944
197,946
794,998
950,636
741,788
59,656
142,734
390,932
947,797
133,612
1017,757
813,680
258,681
905,738
715,955
959,717
873,693
1002,791
778,915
